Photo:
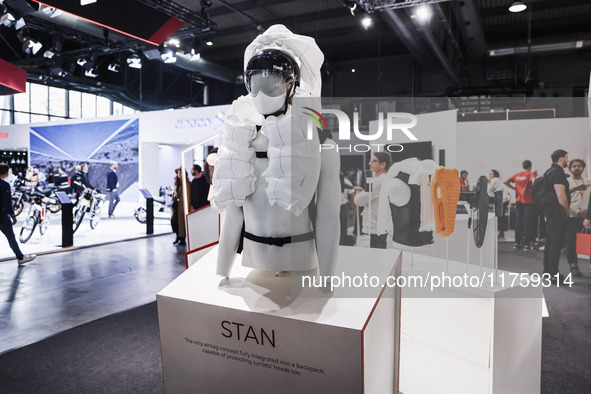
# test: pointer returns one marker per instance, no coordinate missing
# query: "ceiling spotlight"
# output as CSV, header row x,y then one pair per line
x,y
6,19
91,73
134,61
194,55
423,13
19,24
48,54
351,5
168,56
56,48
366,22
81,62
209,43
517,6
35,46
87,2
352,70
174,41
114,67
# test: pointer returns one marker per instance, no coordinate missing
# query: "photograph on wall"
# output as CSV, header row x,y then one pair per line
x,y
62,146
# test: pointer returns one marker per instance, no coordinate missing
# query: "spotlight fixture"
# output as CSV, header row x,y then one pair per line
x,y
351,5
55,49
209,43
174,42
114,67
87,2
81,62
134,61
423,13
91,73
517,6
194,55
19,24
366,22
168,56
7,19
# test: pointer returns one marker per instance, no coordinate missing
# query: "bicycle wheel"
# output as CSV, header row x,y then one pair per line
x,y
54,204
17,207
79,215
43,225
95,216
28,227
140,215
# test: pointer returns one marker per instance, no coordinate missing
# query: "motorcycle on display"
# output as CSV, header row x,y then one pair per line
x,y
90,201
38,215
161,204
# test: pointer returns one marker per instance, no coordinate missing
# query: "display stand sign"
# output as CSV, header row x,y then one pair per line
x,y
253,333
67,219
149,210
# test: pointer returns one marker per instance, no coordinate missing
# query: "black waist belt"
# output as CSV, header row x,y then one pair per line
x,y
279,241
262,155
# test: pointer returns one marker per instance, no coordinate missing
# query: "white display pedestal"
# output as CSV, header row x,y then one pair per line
x,y
249,335
486,340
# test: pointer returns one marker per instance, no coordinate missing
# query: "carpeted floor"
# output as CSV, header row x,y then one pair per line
x,y
116,354
121,353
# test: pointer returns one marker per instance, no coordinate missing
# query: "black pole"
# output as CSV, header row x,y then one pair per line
x,y
67,219
150,215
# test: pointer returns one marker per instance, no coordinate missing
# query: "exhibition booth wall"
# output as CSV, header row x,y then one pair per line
x,y
152,141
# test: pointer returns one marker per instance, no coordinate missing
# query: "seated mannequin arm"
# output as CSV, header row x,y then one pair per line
x,y
327,226
229,239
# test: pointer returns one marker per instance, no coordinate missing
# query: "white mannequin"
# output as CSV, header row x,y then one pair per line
x,y
253,208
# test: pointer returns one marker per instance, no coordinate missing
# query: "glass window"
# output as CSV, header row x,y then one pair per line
x,y
88,105
103,106
128,111
75,104
117,108
35,118
57,101
39,99
21,101
22,118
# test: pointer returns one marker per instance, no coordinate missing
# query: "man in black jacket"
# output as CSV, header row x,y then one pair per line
x,y
112,185
8,218
199,188
556,212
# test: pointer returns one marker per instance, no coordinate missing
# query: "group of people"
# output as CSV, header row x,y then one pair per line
x,y
565,212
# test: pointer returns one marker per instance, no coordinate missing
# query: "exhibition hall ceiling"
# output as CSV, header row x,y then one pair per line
x,y
478,45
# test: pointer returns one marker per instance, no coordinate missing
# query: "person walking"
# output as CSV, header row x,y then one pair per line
x,y
8,218
556,213
524,207
112,186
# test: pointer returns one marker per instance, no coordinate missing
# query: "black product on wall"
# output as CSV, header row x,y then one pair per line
x,y
421,150
17,160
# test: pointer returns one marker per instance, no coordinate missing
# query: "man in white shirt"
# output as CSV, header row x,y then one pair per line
x,y
579,194
379,164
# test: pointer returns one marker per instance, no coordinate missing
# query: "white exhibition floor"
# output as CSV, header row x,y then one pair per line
x,y
123,227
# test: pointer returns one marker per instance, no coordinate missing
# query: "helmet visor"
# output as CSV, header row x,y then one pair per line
x,y
271,83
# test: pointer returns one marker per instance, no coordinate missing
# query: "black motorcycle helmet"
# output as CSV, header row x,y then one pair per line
x,y
272,70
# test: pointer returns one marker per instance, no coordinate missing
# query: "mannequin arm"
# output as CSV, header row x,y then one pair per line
x,y
229,239
327,226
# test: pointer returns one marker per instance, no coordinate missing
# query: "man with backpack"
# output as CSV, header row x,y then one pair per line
x,y
556,211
